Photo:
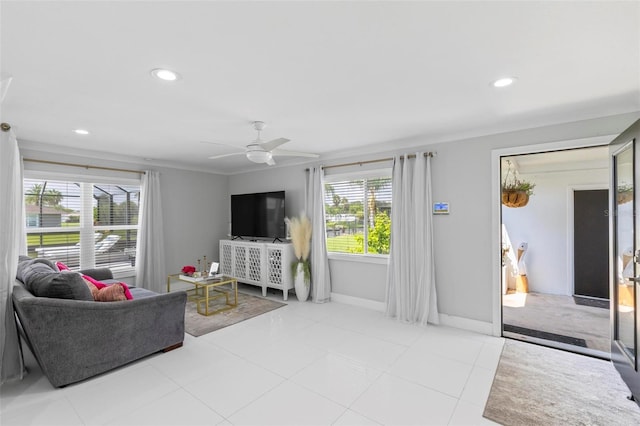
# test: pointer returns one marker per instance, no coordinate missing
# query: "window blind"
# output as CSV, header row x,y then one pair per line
x,y
82,224
358,214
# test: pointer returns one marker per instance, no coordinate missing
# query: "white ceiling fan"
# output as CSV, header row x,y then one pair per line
x,y
263,152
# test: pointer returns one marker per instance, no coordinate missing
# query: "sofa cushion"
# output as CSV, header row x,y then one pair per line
x,y
141,293
28,266
61,285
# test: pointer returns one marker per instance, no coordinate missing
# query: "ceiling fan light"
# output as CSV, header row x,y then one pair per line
x,y
504,82
164,74
259,156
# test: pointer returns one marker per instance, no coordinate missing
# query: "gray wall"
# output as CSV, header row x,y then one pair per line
x,y
195,214
289,179
195,204
196,211
462,176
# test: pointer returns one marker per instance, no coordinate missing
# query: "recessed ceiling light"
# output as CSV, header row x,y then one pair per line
x,y
166,75
81,131
504,82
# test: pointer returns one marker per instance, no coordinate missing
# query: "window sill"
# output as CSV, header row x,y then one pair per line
x,y
119,273
378,259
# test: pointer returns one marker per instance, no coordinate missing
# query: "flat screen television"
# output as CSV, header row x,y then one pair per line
x,y
258,215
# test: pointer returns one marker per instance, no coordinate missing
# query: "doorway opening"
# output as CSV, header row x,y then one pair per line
x,y
555,250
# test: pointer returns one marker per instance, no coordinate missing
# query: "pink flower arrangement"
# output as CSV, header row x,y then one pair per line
x,y
188,270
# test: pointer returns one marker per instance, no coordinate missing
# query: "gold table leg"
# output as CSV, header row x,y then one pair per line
x,y
206,297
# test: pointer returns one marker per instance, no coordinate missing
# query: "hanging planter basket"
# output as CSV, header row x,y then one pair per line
x,y
512,198
515,191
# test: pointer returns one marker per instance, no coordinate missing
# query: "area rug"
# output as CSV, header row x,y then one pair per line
x,y
535,385
248,307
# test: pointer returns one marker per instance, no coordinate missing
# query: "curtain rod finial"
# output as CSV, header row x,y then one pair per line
x,y
5,127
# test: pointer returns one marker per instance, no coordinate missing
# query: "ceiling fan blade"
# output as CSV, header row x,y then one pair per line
x,y
214,157
271,145
271,162
285,152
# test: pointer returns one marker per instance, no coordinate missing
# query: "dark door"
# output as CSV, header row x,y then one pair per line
x,y
591,243
625,256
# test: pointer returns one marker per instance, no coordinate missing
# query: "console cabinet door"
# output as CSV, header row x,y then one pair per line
x,y
226,258
263,264
254,263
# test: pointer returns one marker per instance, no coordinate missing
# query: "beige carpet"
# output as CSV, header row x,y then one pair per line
x,y
535,385
248,307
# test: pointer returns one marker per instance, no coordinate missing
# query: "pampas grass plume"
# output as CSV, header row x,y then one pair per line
x,y
300,229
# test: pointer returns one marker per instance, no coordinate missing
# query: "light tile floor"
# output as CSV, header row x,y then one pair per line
x,y
303,364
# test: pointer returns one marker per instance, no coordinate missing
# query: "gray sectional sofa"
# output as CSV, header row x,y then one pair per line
x,y
73,337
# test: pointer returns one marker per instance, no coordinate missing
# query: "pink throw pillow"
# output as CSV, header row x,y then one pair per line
x,y
62,267
92,288
111,293
100,285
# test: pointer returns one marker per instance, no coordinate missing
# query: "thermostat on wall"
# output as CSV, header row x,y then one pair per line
x,y
441,208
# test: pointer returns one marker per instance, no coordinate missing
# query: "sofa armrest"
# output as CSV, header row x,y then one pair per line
x,y
99,274
75,339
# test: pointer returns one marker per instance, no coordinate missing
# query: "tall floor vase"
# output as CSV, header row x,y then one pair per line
x,y
302,289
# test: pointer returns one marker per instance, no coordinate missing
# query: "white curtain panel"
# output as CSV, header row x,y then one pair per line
x,y
314,204
13,244
411,290
150,262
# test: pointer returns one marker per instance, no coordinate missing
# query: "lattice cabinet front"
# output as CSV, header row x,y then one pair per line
x,y
254,263
265,264
279,259
226,263
240,262
274,266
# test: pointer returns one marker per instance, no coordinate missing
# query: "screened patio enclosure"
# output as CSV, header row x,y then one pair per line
x,y
82,224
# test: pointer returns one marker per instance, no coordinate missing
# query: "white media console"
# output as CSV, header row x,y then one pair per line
x,y
264,264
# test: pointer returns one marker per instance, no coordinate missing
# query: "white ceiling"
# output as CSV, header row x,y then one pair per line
x,y
560,161
330,76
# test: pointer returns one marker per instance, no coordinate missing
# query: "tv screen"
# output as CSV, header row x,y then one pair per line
x,y
259,215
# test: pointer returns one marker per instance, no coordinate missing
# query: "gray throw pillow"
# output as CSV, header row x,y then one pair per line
x,y
27,266
61,285
43,280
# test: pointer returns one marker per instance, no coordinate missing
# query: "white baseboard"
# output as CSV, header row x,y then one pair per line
x,y
466,324
446,320
358,301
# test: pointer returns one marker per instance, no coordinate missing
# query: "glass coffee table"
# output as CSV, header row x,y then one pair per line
x,y
208,289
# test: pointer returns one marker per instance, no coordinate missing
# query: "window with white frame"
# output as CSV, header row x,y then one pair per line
x,y
358,213
82,224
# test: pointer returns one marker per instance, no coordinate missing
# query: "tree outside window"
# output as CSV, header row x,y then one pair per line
x,y
54,209
358,216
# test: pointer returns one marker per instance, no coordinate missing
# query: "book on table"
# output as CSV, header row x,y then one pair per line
x,y
215,277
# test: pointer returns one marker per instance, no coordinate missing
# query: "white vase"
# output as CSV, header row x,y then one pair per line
x,y
302,289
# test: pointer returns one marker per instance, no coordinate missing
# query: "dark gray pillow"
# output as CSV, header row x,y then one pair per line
x,y
42,279
27,266
61,285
